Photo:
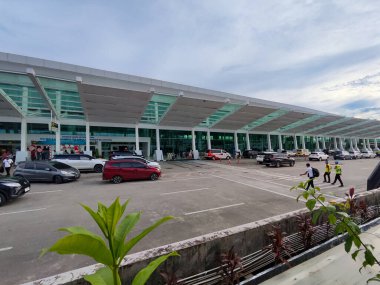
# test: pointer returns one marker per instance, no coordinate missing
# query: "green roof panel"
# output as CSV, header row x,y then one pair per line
x,y
265,119
64,96
20,89
157,107
299,123
219,115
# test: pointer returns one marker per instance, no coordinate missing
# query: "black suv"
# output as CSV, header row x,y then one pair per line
x,y
342,154
278,159
250,153
12,187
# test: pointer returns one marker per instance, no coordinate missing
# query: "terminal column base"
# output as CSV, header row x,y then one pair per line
x,y
158,155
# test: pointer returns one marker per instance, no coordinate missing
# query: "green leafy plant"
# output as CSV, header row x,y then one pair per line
x,y
111,250
344,224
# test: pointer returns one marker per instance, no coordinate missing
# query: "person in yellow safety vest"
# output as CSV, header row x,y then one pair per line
x,y
326,175
338,173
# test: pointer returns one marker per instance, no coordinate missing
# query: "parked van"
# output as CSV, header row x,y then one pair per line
x,y
217,153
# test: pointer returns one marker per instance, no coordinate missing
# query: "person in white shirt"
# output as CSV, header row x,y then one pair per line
x,y
7,162
310,174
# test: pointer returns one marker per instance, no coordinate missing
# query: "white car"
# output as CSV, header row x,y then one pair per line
x,y
138,158
81,161
368,154
318,156
261,155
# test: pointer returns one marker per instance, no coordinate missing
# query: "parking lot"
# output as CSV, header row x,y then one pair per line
x,y
204,196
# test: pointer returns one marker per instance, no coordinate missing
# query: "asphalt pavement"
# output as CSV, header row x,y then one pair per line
x,y
204,196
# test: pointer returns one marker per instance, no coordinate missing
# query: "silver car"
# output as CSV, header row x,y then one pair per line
x,y
137,158
49,171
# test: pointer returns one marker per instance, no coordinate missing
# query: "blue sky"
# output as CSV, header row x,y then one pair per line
x,y
319,54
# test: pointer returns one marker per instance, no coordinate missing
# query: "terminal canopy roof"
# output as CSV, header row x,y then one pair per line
x,y
32,87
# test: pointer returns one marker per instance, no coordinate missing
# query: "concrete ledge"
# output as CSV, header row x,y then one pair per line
x,y
200,253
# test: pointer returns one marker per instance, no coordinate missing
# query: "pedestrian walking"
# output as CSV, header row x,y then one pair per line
x,y
310,174
238,156
338,174
326,175
7,163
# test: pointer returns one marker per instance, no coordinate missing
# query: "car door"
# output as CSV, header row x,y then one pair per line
x,y
126,170
217,153
84,162
141,170
29,171
73,161
43,172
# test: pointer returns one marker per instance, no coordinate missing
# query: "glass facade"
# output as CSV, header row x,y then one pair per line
x,y
73,130
258,142
201,141
33,128
10,128
288,142
176,142
64,96
224,141
149,133
112,131
242,144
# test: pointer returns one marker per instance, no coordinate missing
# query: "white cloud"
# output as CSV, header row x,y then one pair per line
x,y
309,53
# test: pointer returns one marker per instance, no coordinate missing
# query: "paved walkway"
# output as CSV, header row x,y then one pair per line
x,y
334,266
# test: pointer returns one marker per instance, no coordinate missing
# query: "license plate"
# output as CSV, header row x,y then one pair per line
x,y
27,189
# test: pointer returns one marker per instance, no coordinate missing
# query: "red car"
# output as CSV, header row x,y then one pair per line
x,y
120,170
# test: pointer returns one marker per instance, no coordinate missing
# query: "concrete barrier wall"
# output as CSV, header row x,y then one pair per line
x,y
200,253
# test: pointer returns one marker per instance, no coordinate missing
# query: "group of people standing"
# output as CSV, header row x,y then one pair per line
x,y
311,173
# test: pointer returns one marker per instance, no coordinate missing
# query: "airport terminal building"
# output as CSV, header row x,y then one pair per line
x,y
72,108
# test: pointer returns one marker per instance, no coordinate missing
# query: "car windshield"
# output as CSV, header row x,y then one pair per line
x,y
59,165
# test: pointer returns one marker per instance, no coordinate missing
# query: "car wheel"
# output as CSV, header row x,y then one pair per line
x,y
57,179
251,156
277,164
153,176
267,165
320,159
310,159
98,168
213,158
292,163
3,200
228,157
117,179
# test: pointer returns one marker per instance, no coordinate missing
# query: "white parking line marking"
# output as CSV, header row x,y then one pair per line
x,y
213,209
6,248
184,191
18,212
175,180
43,192
259,188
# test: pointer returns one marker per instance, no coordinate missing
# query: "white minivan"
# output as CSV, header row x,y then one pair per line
x,y
81,161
